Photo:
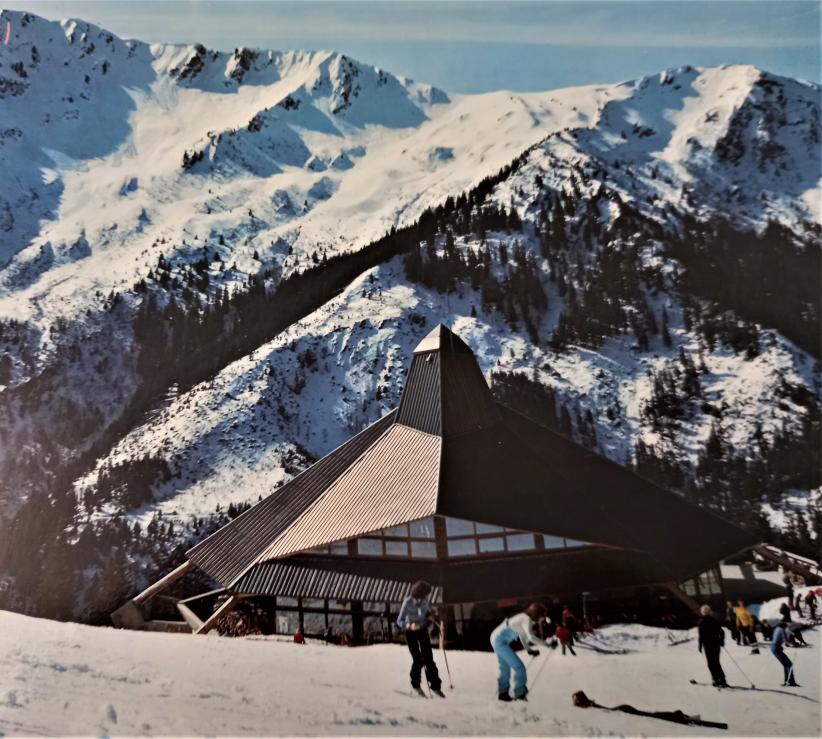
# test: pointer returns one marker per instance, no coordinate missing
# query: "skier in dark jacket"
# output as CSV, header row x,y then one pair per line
x,y
413,618
785,611
730,617
810,601
711,640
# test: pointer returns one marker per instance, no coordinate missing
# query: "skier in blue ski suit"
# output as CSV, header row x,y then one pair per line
x,y
519,627
780,637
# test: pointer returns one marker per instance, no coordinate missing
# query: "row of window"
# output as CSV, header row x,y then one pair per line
x,y
417,540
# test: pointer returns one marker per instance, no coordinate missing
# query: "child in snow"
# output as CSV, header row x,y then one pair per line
x,y
781,636
711,640
299,637
413,619
519,627
566,638
569,620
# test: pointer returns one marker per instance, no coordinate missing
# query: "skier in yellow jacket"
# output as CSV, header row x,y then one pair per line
x,y
745,623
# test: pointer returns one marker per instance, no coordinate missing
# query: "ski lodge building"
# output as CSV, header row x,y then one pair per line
x,y
454,488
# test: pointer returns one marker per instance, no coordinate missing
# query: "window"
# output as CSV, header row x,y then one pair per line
x,y
485,528
423,529
372,547
396,548
575,543
458,527
423,549
491,544
462,547
520,542
553,542
466,538
338,547
400,531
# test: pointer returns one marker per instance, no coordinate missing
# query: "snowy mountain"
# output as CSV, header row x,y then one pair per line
x,y
216,267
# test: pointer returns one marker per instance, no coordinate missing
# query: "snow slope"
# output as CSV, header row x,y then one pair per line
x,y
68,679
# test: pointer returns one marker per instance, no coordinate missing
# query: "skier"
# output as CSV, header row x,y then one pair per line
x,y
516,627
788,586
566,638
745,624
569,620
785,610
798,604
810,601
711,640
781,635
730,617
413,619
299,636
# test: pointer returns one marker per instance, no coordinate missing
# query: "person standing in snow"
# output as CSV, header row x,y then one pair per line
x,y
569,620
413,619
785,611
781,636
711,641
519,627
566,638
730,617
798,604
745,623
788,586
299,636
810,601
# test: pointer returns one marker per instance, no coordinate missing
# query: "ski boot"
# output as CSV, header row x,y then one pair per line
x,y
505,697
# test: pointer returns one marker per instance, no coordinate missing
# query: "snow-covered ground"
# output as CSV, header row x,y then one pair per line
x,y
68,679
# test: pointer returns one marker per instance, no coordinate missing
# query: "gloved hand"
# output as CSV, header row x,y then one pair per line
x,y
534,652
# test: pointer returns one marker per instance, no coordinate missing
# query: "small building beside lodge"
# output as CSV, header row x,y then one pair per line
x,y
454,488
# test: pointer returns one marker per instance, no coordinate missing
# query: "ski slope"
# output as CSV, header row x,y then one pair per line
x,y
68,679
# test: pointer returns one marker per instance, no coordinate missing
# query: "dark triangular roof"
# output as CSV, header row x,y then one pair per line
x,y
446,393
450,449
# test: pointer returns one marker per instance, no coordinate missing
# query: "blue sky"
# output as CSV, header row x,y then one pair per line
x,y
479,46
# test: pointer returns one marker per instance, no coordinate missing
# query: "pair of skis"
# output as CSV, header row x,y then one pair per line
x,y
420,693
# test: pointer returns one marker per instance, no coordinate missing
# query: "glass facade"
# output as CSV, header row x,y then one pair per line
x,y
450,537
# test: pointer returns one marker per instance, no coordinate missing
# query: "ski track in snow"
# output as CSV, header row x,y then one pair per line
x,y
69,679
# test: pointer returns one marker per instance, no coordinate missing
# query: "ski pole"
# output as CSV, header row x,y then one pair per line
x,y
539,671
737,666
444,655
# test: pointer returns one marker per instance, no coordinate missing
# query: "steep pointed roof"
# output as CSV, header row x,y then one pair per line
x,y
451,449
446,393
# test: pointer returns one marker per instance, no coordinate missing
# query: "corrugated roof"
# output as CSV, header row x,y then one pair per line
x,y
395,481
421,404
231,549
285,578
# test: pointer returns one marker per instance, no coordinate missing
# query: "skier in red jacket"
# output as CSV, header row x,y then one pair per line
x,y
566,638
